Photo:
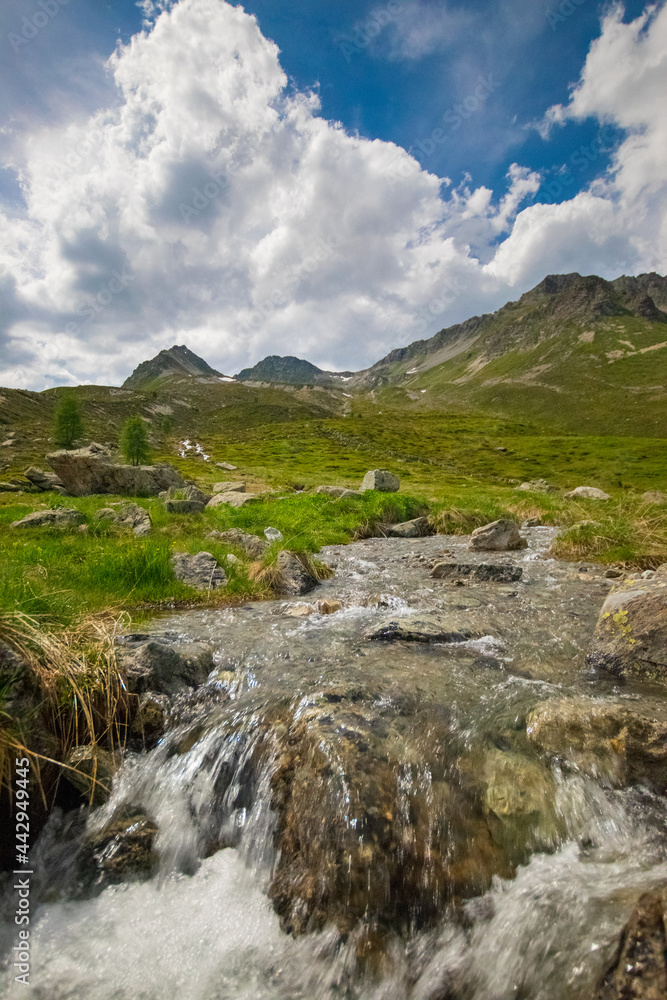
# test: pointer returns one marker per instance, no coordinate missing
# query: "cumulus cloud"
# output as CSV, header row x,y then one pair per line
x,y
210,204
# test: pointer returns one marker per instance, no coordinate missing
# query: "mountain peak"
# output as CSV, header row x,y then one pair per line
x,y
288,371
176,360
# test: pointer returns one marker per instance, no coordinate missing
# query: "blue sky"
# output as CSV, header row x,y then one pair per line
x,y
457,121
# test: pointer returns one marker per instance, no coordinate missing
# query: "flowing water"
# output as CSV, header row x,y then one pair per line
x,y
345,818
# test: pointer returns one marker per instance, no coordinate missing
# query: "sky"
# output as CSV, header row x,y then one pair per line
x,y
327,180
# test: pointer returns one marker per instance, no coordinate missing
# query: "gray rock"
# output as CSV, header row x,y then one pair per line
x,y
9,488
631,633
165,668
90,470
253,546
426,627
498,536
590,492
226,465
332,491
44,480
92,771
59,517
639,968
230,487
417,528
151,717
200,571
538,486
233,499
184,506
483,573
292,576
129,515
381,480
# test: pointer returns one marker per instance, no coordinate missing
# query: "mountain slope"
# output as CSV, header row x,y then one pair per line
x,y
289,371
174,361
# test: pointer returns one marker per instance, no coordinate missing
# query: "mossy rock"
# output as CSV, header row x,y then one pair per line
x,y
631,633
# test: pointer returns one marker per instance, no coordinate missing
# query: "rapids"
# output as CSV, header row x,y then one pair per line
x,y
363,795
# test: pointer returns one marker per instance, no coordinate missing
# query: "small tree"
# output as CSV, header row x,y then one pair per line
x,y
68,424
134,442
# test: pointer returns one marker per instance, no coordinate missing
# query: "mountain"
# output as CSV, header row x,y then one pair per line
x,y
290,371
174,361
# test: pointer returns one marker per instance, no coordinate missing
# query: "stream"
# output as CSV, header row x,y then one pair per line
x,y
335,817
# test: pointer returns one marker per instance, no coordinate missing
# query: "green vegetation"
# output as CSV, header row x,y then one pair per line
x,y
134,442
68,423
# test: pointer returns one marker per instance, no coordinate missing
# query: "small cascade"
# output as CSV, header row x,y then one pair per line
x,y
333,816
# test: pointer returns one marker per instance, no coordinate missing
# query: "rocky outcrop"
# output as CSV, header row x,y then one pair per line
x,y
610,740
588,492
59,517
200,571
498,536
419,527
253,546
128,515
292,577
233,499
484,572
44,481
631,632
90,470
381,480
423,628
639,969
163,667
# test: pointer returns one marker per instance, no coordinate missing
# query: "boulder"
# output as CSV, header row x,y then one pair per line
x,y
498,536
129,515
484,572
253,546
121,851
654,496
639,968
233,499
91,769
606,739
631,632
200,571
90,470
150,719
292,577
538,486
332,491
423,628
228,488
163,667
184,506
44,481
419,527
226,465
59,517
381,480
9,488
589,492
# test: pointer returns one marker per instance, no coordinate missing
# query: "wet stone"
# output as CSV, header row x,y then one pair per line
x,y
423,628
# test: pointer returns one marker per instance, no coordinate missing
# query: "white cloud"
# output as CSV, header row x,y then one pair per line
x,y
211,206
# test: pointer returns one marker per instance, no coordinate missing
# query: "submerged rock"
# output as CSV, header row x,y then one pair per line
x,y
123,849
497,536
201,571
381,480
610,740
639,969
631,633
424,628
162,667
483,572
59,517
